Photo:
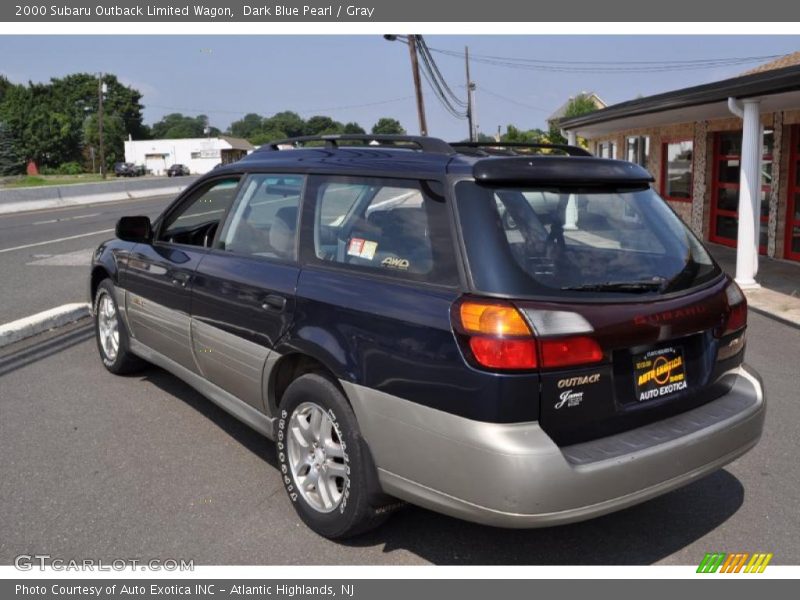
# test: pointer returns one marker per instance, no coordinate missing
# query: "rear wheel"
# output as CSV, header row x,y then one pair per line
x,y
112,337
325,463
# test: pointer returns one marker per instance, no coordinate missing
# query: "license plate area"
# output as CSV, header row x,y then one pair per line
x,y
659,373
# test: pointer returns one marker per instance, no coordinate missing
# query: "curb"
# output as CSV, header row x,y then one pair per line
x,y
29,205
43,321
774,317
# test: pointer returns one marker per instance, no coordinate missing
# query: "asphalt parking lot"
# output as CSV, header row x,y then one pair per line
x,y
143,467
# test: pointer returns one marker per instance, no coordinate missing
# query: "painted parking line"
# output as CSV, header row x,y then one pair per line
x,y
57,240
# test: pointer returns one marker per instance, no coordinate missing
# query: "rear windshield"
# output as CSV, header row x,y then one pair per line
x,y
578,242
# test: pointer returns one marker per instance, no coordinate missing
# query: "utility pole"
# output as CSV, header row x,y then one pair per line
x,y
412,49
470,88
100,86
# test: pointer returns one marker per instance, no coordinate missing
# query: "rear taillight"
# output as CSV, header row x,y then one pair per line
x,y
736,318
504,354
569,351
499,337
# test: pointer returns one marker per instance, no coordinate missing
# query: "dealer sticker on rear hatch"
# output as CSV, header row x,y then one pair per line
x,y
659,373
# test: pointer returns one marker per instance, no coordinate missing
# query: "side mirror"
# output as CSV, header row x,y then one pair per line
x,y
135,229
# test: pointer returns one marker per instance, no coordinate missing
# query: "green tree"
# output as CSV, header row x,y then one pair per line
x,y
388,126
354,128
48,121
581,104
514,134
10,163
287,121
268,135
178,125
248,126
322,125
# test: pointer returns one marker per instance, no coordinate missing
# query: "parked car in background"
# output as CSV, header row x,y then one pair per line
x,y
126,169
514,339
178,170
123,169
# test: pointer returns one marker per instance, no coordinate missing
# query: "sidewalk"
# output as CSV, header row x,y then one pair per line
x,y
779,295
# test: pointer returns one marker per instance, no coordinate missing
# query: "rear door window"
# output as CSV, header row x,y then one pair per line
x,y
398,228
591,241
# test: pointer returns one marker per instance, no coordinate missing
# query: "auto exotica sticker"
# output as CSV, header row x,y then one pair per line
x,y
659,373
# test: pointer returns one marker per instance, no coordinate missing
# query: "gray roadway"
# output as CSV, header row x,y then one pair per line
x,y
100,466
41,269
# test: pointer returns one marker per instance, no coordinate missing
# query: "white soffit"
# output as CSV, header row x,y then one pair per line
x,y
690,114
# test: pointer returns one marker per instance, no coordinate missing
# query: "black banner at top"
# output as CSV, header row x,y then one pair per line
x,y
451,11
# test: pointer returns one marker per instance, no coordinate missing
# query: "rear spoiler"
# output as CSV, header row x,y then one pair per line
x,y
560,170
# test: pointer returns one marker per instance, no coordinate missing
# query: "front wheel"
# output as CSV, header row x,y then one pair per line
x,y
110,333
325,463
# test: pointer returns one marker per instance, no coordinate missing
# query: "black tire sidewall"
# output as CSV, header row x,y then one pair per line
x,y
349,517
115,366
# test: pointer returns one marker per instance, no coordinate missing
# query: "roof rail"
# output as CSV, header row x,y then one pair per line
x,y
510,148
333,141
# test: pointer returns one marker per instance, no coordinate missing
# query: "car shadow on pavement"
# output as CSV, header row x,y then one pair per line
x,y
246,436
640,535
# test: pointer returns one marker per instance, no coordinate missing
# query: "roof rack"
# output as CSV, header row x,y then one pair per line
x,y
512,148
334,141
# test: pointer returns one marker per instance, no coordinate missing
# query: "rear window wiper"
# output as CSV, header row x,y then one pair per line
x,y
634,287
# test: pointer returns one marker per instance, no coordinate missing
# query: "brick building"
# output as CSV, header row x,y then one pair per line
x,y
726,155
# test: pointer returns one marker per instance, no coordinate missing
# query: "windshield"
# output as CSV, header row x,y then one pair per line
x,y
593,241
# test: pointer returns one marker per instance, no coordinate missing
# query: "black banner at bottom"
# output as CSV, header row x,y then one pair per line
x,y
382,589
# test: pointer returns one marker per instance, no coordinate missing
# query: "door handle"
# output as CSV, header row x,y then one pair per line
x,y
274,302
180,279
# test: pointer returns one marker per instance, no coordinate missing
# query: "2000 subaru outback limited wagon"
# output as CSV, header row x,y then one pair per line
x,y
514,339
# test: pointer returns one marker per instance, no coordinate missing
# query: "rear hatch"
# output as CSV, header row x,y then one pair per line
x,y
633,320
658,359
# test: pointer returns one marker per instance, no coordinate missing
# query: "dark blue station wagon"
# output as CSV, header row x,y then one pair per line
x,y
517,336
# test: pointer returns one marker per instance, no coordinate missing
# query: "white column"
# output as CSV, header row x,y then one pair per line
x,y
572,138
749,196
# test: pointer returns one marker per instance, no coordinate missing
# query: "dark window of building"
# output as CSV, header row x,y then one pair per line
x,y
606,150
676,177
637,149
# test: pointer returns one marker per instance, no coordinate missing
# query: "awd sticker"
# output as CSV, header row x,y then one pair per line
x,y
659,373
396,263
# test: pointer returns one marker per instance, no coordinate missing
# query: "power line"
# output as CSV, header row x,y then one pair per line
x,y
565,66
512,101
436,81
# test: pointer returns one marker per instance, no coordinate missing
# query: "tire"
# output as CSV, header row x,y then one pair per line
x,y
349,501
110,333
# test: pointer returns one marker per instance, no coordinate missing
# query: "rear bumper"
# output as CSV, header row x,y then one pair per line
x,y
514,475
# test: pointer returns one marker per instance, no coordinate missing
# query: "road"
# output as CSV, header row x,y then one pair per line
x,y
45,254
143,467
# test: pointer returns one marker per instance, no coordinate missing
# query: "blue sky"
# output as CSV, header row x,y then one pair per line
x,y
228,76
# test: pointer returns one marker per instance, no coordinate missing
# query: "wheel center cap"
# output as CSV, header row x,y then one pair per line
x,y
319,456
